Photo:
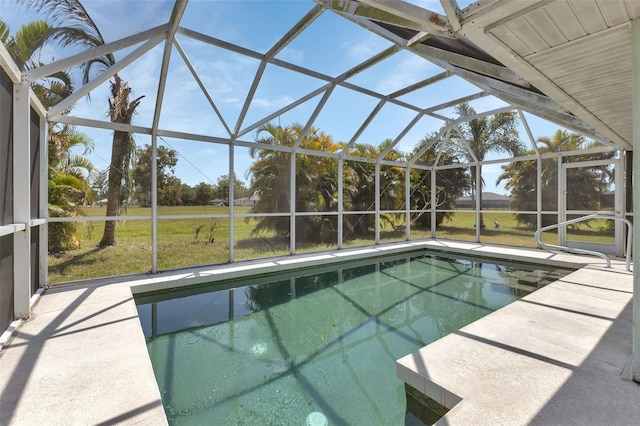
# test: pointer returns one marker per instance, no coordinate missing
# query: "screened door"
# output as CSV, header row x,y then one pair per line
x,y
587,188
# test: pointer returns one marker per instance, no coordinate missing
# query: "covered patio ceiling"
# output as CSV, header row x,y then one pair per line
x,y
567,62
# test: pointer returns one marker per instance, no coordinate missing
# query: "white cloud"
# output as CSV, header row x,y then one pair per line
x,y
365,48
277,102
409,71
292,55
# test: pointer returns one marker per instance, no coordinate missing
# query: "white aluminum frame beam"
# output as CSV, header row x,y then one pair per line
x,y
22,199
174,24
361,10
635,55
56,111
452,11
427,20
96,52
206,93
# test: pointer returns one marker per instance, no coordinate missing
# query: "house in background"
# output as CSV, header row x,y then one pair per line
x,y
247,201
490,200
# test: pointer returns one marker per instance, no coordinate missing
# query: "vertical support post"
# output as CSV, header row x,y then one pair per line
x,y
619,209
539,193
407,203
434,200
22,200
44,202
340,201
478,197
562,205
635,55
377,202
292,204
154,203
231,203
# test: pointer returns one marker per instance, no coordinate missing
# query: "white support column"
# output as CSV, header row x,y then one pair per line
x,y
377,202
154,203
635,48
44,202
340,201
434,199
562,205
478,197
22,200
539,193
232,152
620,230
407,203
292,204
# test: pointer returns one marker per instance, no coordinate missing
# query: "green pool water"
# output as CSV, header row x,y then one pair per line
x,y
317,348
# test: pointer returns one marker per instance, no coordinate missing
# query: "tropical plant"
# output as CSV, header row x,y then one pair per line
x,y
585,184
77,28
316,183
479,136
23,47
69,173
360,188
69,184
451,183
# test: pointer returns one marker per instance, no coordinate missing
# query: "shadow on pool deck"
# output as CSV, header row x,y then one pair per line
x,y
82,357
552,358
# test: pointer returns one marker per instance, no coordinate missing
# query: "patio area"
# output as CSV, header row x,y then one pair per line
x,y
555,357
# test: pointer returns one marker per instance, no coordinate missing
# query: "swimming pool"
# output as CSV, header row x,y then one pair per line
x,y
309,346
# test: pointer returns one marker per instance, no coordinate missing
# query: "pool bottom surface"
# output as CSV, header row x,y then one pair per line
x,y
317,348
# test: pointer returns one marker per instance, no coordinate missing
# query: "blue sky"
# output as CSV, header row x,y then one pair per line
x,y
330,45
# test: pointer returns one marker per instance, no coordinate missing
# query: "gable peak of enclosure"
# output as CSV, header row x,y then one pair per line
x,y
362,72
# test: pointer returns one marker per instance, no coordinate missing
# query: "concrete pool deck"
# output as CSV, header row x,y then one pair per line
x,y
554,357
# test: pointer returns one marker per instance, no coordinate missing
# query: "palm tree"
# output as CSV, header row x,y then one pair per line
x,y
69,184
69,174
497,133
585,184
451,184
316,183
23,46
78,28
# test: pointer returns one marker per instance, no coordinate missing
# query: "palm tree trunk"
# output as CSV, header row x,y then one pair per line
x,y
113,191
122,153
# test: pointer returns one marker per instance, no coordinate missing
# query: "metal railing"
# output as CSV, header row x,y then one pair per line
x,y
589,252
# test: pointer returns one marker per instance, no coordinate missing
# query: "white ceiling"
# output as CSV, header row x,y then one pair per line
x,y
577,53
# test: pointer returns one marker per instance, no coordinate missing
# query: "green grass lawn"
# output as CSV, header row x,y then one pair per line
x,y
192,242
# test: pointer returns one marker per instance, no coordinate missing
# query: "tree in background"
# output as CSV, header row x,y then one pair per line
x,y
167,159
360,189
77,28
69,174
204,193
222,190
585,184
99,185
316,183
271,173
451,184
496,133
187,195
